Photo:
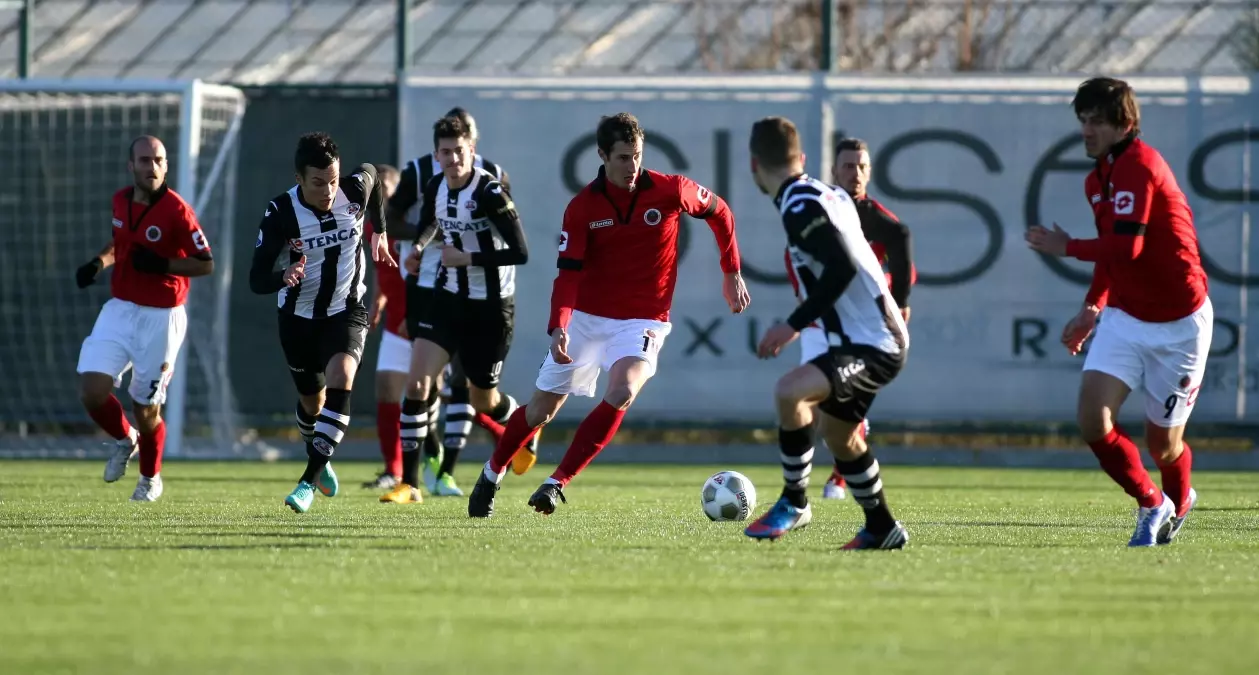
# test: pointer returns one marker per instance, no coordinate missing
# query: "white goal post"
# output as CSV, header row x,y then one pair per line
x,y
66,146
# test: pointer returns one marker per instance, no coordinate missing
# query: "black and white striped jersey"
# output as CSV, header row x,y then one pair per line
x,y
406,202
838,280
332,242
479,218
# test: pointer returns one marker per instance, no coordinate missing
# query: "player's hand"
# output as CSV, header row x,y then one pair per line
x,y
453,257
905,315
736,292
376,311
778,336
145,260
1044,240
402,331
1078,329
412,262
559,347
295,273
86,275
380,250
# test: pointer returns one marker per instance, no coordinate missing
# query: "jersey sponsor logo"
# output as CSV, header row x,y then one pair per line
x,y
353,209
1125,202
563,241
601,223
477,225
703,195
652,217
117,223
324,240
153,233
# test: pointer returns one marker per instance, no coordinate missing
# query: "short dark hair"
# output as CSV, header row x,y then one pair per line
x,y
466,118
1113,99
775,143
316,149
854,144
621,127
451,127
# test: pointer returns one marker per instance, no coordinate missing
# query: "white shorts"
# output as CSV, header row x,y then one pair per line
x,y
595,343
813,343
145,339
394,354
1169,359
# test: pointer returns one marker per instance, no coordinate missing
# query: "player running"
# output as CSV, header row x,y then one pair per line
x,y
471,315
889,239
1149,285
843,286
610,305
439,454
157,247
322,317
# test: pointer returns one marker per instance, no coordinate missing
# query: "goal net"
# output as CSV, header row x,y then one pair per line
x,y
66,145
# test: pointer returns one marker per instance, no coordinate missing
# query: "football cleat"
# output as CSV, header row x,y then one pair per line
x,y
481,503
1169,531
147,489
523,461
547,497
402,494
431,467
781,518
866,540
1150,521
385,481
327,481
447,487
124,451
301,497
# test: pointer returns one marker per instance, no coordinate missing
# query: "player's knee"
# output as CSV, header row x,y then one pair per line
x,y
786,393
147,417
94,390
619,396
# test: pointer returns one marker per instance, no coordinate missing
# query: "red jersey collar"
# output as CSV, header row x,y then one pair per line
x,y
600,183
157,194
1116,150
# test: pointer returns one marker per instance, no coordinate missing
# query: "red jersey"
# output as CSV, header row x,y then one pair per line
x,y
167,227
618,249
1146,259
391,283
880,251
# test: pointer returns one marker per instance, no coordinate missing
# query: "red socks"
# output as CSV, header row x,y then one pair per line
x,y
389,431
595,432
110,417
1176,481
515,435
1121,460
486,422
151,447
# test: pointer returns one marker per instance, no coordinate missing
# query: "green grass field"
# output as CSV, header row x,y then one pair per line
x,y
1007,572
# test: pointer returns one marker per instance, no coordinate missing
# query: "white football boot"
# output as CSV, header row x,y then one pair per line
x,y
148,489
124,451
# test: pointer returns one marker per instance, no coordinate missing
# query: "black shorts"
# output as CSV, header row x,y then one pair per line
x,y
477,332
857,373
309,344
419,303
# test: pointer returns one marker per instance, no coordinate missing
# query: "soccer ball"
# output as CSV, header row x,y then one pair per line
x,y
728,495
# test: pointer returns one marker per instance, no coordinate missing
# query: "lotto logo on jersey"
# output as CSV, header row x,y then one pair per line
x,y
1125,202
563,241
198,240
702,194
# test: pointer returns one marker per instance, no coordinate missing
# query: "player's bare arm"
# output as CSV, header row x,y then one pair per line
x,y
810,228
